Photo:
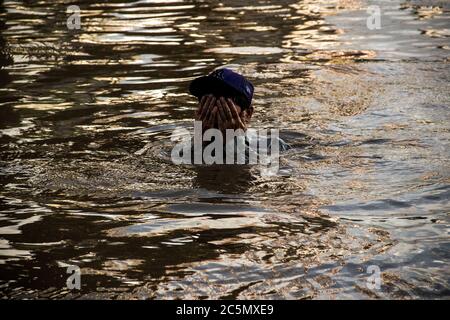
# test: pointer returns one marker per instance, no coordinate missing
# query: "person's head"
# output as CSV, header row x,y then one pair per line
x,y
222,94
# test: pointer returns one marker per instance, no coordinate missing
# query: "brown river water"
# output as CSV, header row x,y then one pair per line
x,y
365,185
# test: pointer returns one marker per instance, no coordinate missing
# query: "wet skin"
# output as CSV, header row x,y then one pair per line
x,y
222,113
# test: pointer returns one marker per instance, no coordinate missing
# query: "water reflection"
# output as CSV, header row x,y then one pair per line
x,y
86,117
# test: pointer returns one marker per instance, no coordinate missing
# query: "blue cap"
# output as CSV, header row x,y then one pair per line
x,y
224,82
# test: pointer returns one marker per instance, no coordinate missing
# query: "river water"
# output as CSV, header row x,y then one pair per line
x,y
86,117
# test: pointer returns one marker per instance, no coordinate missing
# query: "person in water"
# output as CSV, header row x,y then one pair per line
x,y
225,100
221,127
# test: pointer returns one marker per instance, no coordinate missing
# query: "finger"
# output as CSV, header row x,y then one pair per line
x,y
236,115
220,116
221,110
206,107
210,114
227,109
212,102
221,119
201,104
213,114
202,101
232,108
209,122
209,108
206,114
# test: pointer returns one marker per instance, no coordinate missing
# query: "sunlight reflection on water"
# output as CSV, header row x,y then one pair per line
x,y
366,182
